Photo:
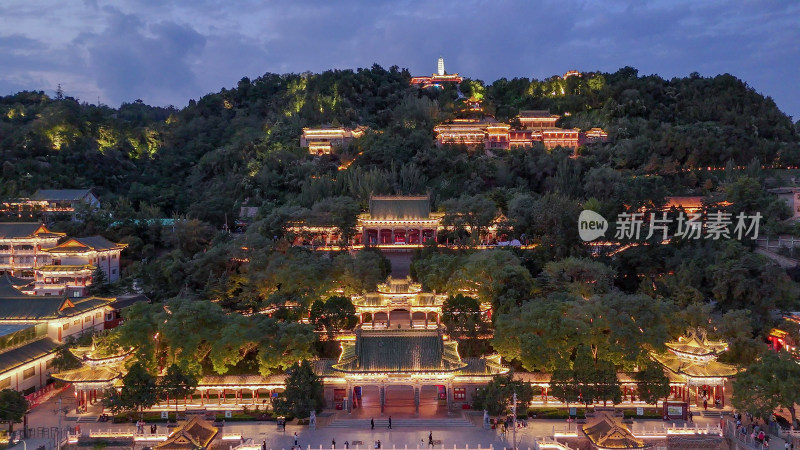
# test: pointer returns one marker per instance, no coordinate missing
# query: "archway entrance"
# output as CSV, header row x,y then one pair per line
x,y
399,402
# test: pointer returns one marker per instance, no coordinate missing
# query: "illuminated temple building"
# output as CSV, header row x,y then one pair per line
x,y
73,263
400,346
322,140
438,78
392,221
692,368
535,126
33,327
22,247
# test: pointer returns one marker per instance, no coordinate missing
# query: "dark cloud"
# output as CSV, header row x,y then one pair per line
x,y
168,52
133,59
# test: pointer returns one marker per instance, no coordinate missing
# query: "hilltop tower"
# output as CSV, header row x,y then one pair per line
x,y
440,66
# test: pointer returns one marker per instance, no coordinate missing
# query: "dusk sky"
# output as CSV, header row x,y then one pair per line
x,y
167,52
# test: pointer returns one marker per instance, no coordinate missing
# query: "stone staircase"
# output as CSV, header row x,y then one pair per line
x,y
714,413
383,423
88,419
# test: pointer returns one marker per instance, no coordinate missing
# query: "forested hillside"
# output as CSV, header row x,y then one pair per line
x,y
712,137
240,146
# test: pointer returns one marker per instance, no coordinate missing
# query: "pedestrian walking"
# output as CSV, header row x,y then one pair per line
x,y
264,445
372,424
295,438
390,422
333,443
430,438
346,444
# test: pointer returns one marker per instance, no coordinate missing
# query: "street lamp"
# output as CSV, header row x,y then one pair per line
x,y
514,416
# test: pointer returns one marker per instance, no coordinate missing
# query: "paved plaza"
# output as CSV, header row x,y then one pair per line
x,y
360,435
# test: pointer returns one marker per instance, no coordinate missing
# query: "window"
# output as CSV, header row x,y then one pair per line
x,y
76,293
27,373
5,383
114,256
66,326
77,322
109,316
98,315
87,319
50,363
459,393
103,258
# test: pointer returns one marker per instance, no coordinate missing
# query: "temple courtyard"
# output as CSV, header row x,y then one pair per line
x,y
460,428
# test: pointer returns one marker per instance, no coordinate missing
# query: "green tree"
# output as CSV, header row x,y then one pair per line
x,y
64,359
770,383
652,384
461,316
606,384
303,392
100,285
13,407
470,215
341,212
497,395
177,382
497,276
563,386
581,276
139,391
335,314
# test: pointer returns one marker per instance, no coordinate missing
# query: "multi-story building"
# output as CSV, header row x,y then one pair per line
x,y
65,200
32,328
536,126
392,222
320,141
537,119
22,247
46,202
73,263
472,132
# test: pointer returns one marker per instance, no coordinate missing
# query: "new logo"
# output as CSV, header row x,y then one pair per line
x,y
591,225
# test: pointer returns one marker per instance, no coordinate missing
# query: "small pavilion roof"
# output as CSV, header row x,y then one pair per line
x,y
58,195
89,374
8,287
194,434
608,433
695,345
15,282
86,244
537,114
399,207
20,230
695,369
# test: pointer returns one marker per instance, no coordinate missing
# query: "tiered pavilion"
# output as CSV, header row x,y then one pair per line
x,y
399,303
400,355
691,362
98,373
